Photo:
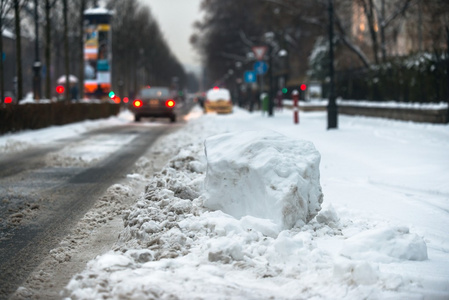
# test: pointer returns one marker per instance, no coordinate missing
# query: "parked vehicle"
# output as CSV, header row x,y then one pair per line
x,y
153,102
218,100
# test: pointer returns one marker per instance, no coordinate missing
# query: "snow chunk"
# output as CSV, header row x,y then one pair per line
x,y
328,216
385,245
112,260
266,227
265,175
356,272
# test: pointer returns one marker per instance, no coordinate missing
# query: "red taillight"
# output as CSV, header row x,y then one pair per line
x,y
137,103
8,100
170,103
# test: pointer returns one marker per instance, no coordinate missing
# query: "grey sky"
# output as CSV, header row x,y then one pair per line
x,y
175,18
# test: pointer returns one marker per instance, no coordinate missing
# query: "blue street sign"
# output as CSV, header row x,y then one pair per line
x,y
250,76
260,67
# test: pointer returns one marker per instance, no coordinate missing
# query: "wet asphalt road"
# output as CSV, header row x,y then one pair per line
x,y
55,198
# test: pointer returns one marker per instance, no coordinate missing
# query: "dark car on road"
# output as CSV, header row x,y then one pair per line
x,y
153,102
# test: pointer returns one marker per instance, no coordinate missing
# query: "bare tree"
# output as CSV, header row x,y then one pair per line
x,y
49,4
17,6
5,8
142,61
66,51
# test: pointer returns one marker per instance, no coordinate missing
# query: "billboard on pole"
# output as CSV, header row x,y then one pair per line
x,y
97,52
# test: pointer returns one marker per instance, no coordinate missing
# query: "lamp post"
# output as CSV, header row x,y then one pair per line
x,y
37,64
332,109
269,38
447,66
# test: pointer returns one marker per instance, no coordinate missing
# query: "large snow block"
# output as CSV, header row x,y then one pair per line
x,y
265,175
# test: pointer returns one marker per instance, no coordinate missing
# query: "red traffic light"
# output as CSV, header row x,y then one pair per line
x,y
8,100
60,89
303,87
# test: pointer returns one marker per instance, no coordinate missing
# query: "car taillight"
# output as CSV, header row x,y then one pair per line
x,y
137,103
170,103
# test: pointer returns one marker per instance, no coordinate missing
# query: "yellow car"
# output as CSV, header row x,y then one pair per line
x,y
218,100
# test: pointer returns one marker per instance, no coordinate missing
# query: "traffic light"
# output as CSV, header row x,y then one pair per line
x,y
303,87
60,89
284,91
8,100
111,95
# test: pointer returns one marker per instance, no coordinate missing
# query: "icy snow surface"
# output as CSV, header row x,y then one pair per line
x,y
382,232
263,174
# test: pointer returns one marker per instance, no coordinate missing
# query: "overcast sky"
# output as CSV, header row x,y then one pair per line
x,y
175,18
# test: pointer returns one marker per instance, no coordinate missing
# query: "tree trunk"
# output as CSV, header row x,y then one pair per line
x,y
81,50
447,72
47,50
66,53
382,32
18,51
369,12
2,78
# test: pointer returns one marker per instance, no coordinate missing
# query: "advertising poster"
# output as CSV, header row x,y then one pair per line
x,y
97,53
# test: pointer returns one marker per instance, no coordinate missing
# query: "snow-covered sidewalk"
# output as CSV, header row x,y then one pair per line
x,y
382,231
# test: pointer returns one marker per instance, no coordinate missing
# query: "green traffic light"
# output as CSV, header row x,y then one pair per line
x,y
111,94
284,90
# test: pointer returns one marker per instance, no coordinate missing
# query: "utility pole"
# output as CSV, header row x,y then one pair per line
x,y
332,106
37,64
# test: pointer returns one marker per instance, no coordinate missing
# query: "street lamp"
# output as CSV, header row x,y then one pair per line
x,y
332,106
269,38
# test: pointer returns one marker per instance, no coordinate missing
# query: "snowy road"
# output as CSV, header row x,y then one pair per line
x,y
47,188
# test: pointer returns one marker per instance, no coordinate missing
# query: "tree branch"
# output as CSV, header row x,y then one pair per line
x,y
349,44
398,12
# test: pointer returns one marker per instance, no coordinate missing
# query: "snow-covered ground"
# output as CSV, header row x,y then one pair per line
x,y
381,233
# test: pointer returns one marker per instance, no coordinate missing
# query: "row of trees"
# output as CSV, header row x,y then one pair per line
x,y
368,33
140,53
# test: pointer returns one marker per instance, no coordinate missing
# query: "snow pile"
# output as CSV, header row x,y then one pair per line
x,y
385,245
175,248
12,146
265,175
